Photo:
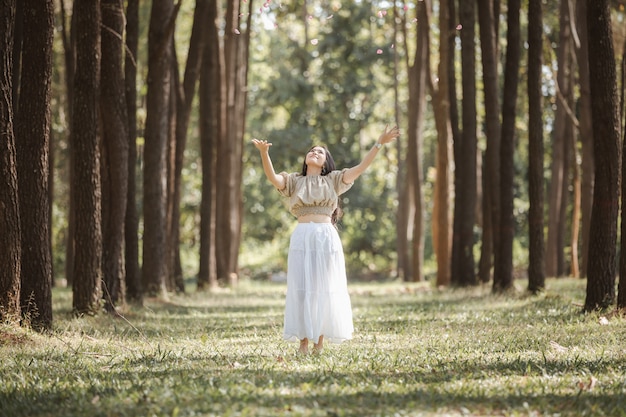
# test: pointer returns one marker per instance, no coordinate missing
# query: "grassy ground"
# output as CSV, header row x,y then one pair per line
x,y
416,352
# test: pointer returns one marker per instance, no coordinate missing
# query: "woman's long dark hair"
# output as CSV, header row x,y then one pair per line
x,y
329,166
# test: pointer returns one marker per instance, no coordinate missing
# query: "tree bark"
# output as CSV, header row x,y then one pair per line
x,y
606,150
69,51
418,75
230,150
115,149
488,16
155,151
586,135
170,154
621,294
465,160
211,108
559,170
17,40
134,291
442,210
32,135
86,160
404,185
503,271
10,236
536,273
184,98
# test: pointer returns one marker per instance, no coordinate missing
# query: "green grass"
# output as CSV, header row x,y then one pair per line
x,y
417,351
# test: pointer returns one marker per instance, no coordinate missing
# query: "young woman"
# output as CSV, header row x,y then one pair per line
x,y
317,305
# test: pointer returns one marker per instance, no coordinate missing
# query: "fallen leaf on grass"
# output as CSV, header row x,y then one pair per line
x,y
587,386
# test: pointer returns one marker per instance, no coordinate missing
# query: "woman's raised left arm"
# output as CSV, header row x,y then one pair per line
x,y
355,172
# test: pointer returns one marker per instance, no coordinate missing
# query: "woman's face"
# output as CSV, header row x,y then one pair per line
x,y
316,157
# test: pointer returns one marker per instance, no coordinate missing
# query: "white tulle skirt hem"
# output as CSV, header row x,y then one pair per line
x,y
317,302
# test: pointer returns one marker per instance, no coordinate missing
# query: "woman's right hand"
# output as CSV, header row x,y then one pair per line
x,y
261,145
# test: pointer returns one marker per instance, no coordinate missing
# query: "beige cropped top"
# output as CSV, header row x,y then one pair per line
x,y
315,194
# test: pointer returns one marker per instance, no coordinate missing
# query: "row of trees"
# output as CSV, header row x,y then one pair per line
x,y
585,36
100,40
117,212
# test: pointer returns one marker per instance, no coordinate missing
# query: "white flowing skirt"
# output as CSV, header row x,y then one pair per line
x,y
318,303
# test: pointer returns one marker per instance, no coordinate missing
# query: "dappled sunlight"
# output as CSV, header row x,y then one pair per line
x,y
416,350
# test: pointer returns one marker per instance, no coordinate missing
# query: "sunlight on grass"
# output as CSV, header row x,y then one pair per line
x,y
416,351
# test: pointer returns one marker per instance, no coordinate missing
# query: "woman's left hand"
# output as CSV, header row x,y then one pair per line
x,y
389,134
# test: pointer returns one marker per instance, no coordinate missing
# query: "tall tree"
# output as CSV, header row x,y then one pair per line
x,y
536,273
10,249
606,151
403,182
155,151
442,195
503,267
185,93
418,82
621,295
87,269
68,38
211,109
134,291
463,273
32,135
488,17
173,281
114,151
559,181
230,146
585,134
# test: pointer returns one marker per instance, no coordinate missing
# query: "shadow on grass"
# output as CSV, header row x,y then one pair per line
x,y
214,388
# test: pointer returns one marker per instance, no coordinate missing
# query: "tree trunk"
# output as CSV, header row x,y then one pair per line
x,y
576,211
10,248
115,147
69,50
572,206
457,143
17,40
418,73
559,171
536,273
621,295
86,160
465,160
488,15
170,162
184,98
442,195
32,135
210,130
586,135
606,150
503,271
404,184
230,149
134,292
155,151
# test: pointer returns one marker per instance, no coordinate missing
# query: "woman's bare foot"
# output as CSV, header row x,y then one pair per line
x,y
304,346
317,348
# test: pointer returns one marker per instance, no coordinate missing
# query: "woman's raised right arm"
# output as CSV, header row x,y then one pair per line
x,y
268,168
